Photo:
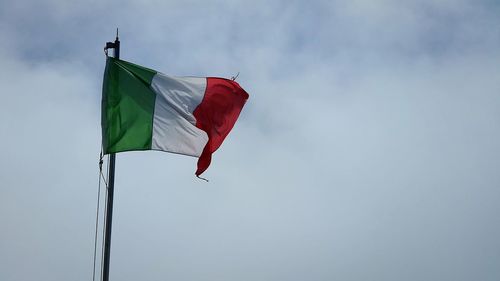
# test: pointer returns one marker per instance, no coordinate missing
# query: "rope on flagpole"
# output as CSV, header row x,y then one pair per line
x,y
104,223
100,170
202,178
234,77
101,178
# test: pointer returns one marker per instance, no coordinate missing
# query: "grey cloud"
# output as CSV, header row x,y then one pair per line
x,y
367,150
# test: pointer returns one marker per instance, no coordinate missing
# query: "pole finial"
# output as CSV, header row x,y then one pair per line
x,y
117,33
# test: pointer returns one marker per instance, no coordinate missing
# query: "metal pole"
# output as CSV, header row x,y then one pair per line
x,y
111,187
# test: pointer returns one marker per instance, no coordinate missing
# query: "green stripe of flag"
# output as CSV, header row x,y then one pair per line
x,y
127,106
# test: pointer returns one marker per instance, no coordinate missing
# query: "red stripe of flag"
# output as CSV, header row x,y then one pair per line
x,y
216,115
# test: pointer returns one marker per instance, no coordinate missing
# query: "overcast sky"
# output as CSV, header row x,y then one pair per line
x,y
369,148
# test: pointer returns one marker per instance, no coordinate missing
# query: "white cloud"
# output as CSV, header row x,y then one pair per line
x,y
367,149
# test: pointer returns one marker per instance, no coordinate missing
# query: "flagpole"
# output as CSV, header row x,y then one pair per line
x,y
111,186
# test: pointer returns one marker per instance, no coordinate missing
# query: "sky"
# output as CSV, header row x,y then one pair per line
x,y
368,149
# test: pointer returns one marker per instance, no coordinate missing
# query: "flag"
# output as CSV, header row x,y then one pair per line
x,y
143,109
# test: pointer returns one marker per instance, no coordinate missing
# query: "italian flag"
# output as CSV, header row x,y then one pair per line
x,y
143,109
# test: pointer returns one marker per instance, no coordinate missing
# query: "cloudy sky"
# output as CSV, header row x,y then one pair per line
x,y
369,148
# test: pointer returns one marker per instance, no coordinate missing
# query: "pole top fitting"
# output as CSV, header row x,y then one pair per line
x,y
109,45
113,45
